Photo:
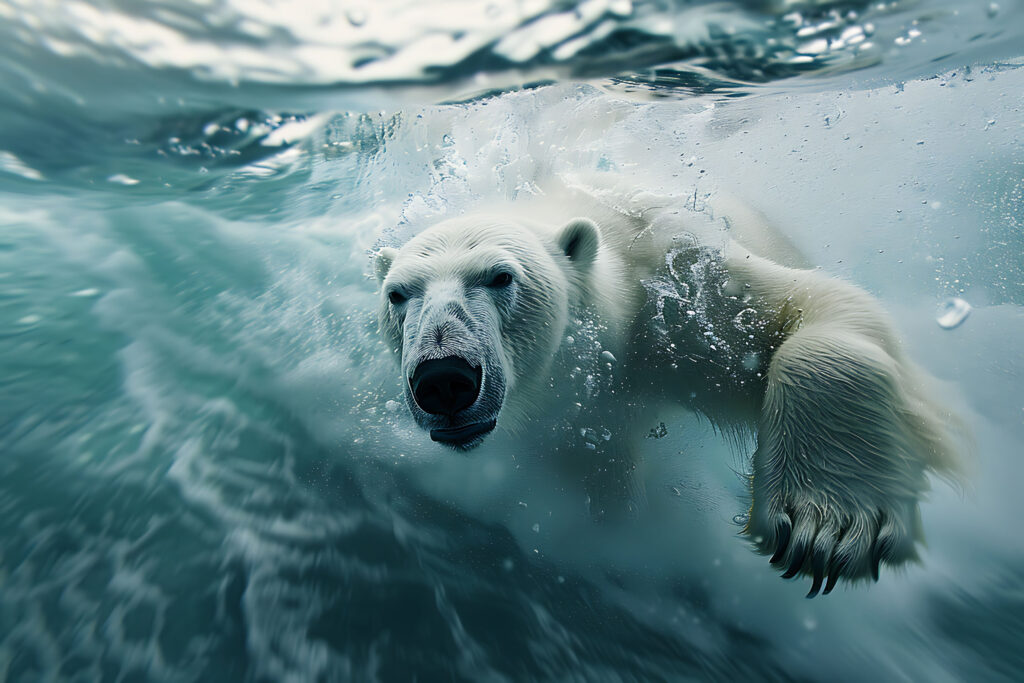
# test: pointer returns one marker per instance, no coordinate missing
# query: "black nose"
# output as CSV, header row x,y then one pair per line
x,y
446,385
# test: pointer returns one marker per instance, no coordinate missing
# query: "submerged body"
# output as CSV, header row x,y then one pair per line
x,y
592,303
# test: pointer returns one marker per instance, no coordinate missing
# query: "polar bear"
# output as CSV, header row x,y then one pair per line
x,y
592,303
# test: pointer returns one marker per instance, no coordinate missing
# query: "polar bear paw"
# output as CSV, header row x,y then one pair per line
x,y
843,450
808,535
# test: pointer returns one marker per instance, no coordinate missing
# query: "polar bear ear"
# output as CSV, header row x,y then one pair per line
x,y
382,262
579,240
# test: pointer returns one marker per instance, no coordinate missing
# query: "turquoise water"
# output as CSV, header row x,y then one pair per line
x,y
204,473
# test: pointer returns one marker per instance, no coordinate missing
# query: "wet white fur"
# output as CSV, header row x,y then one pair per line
x,y
847,426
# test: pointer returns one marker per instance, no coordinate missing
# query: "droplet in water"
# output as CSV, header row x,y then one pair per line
x,y
356,16
741,519
952,313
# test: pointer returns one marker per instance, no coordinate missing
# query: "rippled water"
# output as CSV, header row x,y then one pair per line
x,y
205,470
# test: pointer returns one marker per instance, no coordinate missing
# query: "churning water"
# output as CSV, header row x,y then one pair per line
x,y
206,472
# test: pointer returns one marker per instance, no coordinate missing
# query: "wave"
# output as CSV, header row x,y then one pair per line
x,y
145,56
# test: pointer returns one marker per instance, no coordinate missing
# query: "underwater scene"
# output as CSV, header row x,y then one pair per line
x,y
511,340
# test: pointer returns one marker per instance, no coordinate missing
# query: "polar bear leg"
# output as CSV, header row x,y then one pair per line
x,y
842,450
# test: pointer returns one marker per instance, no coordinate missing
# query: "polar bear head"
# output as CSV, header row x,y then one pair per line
x,y
477,307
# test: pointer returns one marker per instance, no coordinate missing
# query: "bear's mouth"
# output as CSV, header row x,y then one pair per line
x,y
461,436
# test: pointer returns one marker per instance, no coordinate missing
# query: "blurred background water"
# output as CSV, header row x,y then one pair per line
x,y
204,470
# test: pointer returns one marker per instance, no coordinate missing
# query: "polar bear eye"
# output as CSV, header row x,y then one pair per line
x,y
396,297
502,279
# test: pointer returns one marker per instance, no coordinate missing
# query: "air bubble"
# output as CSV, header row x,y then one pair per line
x,y
745,319
658,432
356,16
952,313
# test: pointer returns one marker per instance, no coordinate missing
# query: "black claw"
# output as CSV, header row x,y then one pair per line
x,y
818,562
833,577
799,555
876,558
816,586
783,533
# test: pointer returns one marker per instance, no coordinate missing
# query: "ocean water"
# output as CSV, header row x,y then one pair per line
x,y
206,473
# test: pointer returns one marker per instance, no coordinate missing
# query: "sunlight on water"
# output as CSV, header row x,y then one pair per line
x,y
209,469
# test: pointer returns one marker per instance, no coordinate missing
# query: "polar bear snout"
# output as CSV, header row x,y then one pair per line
x,y
450,397
452,364
445,386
